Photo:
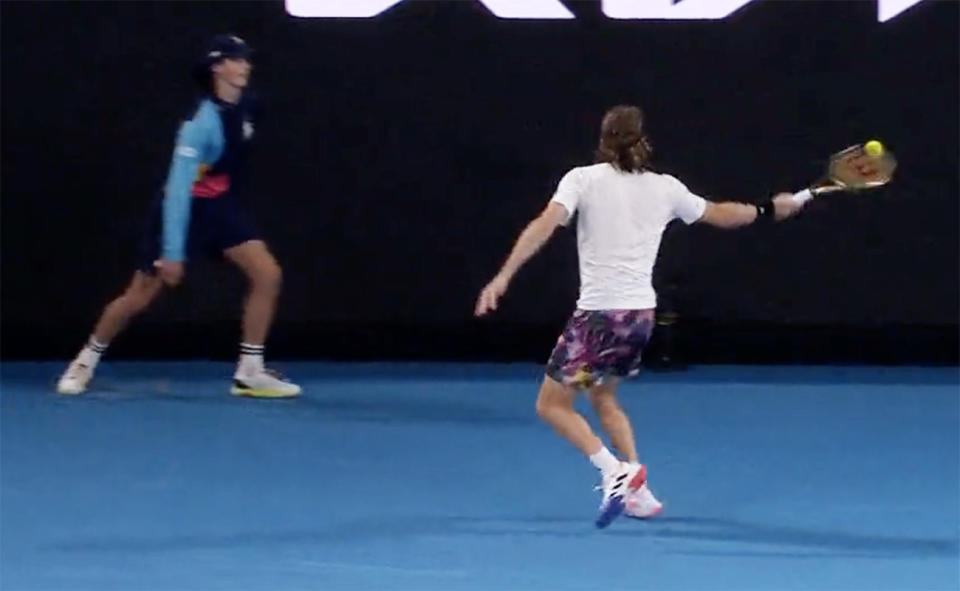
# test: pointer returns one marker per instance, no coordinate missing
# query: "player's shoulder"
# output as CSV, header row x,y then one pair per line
x,y
594,170
659,176
587,173
664,179
204,112
198,123
201,119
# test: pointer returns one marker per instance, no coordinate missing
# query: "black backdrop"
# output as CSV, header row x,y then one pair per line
x,y
400,156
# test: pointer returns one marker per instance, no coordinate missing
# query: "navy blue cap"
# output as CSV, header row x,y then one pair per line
x,y
226,46
219,48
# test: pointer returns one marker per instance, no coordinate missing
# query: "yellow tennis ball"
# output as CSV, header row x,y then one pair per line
x,y
873,148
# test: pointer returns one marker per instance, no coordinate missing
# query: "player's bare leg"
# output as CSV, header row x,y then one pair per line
x,y
639,503
613,420
555,407
264,279
140,293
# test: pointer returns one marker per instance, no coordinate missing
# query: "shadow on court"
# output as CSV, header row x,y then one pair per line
x,y
743,537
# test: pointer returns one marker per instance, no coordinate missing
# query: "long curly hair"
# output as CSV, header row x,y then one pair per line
x,y
623,142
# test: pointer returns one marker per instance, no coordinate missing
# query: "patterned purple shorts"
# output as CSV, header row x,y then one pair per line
x,y
600,344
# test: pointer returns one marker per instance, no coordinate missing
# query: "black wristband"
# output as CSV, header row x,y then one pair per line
x,y
765,209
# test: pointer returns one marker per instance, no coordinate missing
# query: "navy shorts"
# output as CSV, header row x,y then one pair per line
x,y
215,225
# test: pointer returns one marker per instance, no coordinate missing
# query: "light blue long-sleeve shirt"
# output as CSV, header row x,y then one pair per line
x,y
200,142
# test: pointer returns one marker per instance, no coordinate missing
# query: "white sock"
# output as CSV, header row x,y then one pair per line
x,y
91,352
605,461
251,359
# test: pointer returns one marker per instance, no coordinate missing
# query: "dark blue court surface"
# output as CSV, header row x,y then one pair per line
x,y
439,477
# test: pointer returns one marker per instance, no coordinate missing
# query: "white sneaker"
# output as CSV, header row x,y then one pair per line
x,y
641,504
74,381
616,487
265,383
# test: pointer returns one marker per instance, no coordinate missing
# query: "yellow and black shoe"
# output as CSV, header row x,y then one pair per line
x,y
265,383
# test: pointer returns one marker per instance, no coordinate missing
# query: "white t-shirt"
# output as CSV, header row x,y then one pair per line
x,y
621,218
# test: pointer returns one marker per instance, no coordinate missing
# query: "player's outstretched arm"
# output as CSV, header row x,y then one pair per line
x,y
730,214
533,237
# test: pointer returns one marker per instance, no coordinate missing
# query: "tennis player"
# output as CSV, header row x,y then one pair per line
x,y
622,209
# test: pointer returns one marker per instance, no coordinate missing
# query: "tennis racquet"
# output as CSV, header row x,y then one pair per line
x,y
853,169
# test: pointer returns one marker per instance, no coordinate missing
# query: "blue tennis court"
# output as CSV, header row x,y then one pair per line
x,y
429,476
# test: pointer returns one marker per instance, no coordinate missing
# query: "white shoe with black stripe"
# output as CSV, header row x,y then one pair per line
x,y
74,381
628,479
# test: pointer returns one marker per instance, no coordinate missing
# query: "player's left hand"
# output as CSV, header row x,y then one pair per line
x,y
487,302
